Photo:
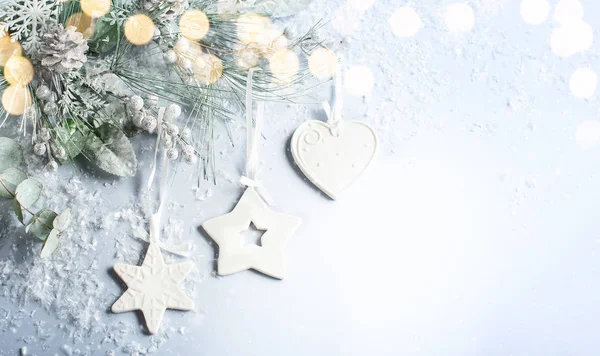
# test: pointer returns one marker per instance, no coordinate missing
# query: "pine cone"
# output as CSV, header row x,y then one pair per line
x,y
63,49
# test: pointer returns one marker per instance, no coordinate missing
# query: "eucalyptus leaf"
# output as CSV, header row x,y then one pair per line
x,y
280,8
111,150
63,220
18,211
41,224
11,154
9,180
51,244
29,192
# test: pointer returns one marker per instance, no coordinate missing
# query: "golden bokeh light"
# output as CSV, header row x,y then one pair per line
x,y
139,29
271,41
322,63
182,45
95,8
18,71
83,23
16,99
8,49
284,64
194,25
208,68
185,46
251,28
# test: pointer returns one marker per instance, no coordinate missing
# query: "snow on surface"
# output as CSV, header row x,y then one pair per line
x,y
503,75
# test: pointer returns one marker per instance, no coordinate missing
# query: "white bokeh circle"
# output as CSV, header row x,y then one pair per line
x,y
459,17
361,5
587,135
572,38
583,83
567,11
346,20
534,12
405,22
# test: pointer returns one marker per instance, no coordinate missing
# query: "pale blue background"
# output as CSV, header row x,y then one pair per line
x,y
476,232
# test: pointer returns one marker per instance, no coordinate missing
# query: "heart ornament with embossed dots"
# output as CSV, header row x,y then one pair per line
x,y
333,157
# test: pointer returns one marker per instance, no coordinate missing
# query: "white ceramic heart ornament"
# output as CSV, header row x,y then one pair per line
x,y
335,154
334,163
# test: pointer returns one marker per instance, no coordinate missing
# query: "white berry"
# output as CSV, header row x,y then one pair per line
x,y
43,92
52,98
186,133
52,166
51,108
43,136
149,124
60,153
183,44
185,63
170,56
138,118
152,100
136,103
190,159
39,149
172,130
173,112
172,154
189,150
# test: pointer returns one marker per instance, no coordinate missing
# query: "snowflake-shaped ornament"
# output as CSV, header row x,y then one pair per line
x,y
27,19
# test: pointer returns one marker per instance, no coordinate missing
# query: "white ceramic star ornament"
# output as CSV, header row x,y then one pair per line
x,y
154,286
269,257
334,154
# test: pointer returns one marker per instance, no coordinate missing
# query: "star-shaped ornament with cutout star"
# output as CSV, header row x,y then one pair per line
x,y
269,258
153,287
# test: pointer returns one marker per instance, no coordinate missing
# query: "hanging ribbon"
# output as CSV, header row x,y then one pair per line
x,y
334,115
253,135
155,219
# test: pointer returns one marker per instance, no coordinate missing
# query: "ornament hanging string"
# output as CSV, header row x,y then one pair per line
x,y
155,218
334,115
253,135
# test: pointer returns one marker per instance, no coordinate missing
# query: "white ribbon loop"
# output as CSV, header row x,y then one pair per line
x,y
253,136
334,115
268,198
183,249
161,115
155,219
